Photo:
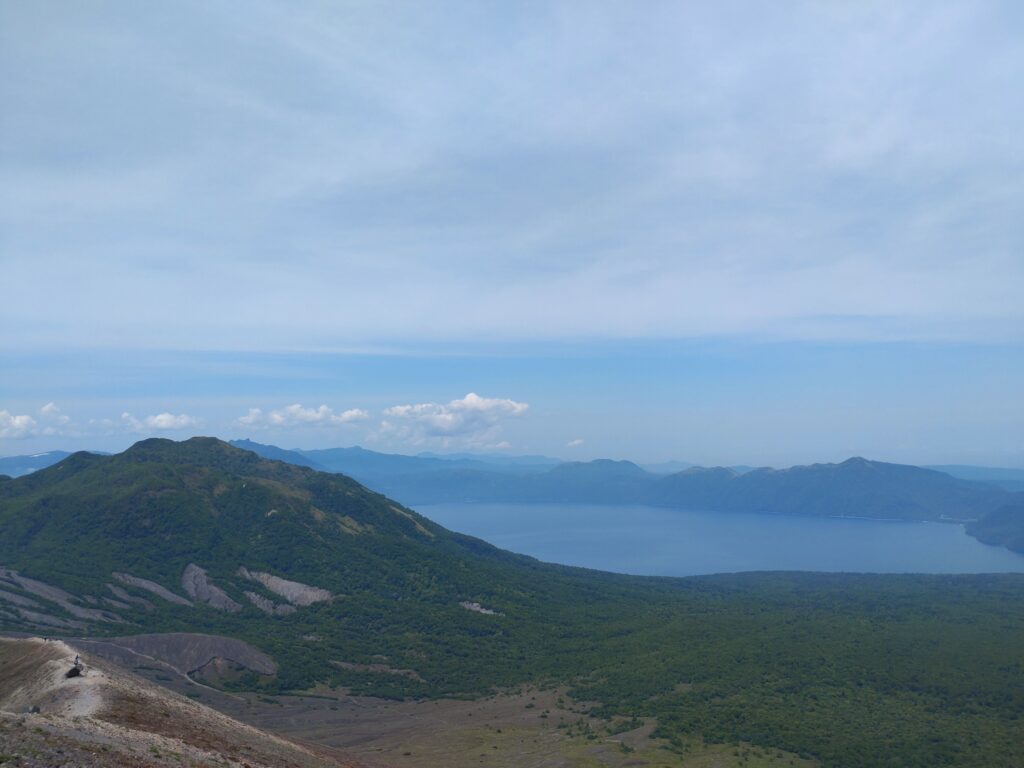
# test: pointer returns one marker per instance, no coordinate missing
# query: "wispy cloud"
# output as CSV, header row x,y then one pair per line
x,y
472,420
389,175
296,415
576,443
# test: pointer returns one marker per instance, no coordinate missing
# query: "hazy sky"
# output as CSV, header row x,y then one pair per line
x,y
718,232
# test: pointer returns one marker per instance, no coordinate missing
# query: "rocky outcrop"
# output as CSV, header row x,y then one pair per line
x,y
197,585
45,620
268,606
21,600
477,608
294,592
50,593
120,594
153,588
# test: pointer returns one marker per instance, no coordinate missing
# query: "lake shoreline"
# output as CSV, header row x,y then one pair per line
x,y
647,540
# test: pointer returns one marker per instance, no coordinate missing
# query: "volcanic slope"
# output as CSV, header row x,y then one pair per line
x,y
338,586
56,712
322,573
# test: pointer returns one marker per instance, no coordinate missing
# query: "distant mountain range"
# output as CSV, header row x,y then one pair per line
x,y
499,459
853,488
1005,478
16,466
357,460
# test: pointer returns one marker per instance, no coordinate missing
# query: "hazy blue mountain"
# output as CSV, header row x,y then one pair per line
x,y
600,481
1003,526
672,467
16,466
612,481
356,461
277,454
361,463
666,467
1006,478
496,459
854,488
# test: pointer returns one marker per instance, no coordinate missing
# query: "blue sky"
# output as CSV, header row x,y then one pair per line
x,y
716,232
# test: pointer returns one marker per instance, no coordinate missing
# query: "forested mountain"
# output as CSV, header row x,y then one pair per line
x,y
279,454
1003,526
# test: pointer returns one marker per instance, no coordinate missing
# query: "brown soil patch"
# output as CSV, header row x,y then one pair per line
x,y
526,729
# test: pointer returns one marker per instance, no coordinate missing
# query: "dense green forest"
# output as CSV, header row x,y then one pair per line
x,y
853,670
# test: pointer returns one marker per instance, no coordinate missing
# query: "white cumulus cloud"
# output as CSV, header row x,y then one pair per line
x,y
16,425
51,413
472,420
574,443
158,422
49,421
295,415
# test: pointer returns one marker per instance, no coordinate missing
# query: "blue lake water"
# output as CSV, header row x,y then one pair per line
x,y
663,542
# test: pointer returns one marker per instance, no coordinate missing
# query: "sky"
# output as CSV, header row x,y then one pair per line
x,y
721,232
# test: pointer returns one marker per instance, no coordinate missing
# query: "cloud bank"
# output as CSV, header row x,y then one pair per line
x,y
471,421
296,415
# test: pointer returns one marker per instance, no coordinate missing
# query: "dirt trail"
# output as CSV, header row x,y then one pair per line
x,y
34,674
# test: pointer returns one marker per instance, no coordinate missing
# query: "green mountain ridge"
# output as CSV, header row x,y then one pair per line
x,y
854,488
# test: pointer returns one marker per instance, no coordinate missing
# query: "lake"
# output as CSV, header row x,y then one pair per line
x,y
654,541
